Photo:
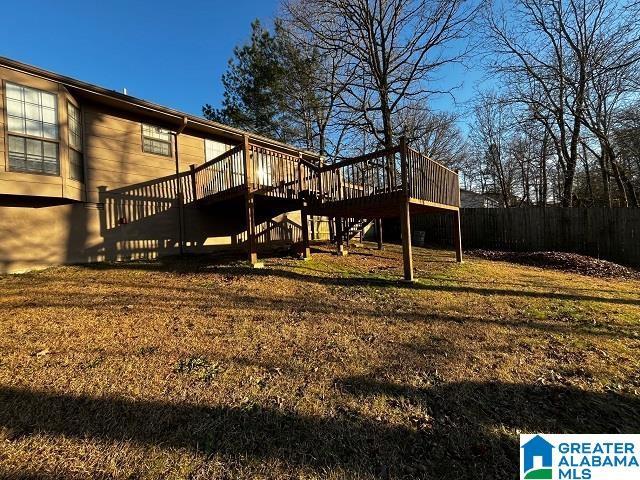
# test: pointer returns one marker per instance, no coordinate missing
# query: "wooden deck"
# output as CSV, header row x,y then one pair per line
x,y
388,183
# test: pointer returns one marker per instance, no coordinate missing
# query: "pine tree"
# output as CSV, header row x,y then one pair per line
x,y
254,86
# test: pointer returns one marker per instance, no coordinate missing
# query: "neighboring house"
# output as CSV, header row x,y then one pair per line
x,y
90,174
469,199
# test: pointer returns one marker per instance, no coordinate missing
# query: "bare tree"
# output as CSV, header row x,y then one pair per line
x,y
627,142
435,134
613,84
490,137
546,51
393,46
316,78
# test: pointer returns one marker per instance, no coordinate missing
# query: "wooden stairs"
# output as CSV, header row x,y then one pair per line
x,y
393,182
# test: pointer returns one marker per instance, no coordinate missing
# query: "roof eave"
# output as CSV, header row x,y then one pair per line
x,y
137,105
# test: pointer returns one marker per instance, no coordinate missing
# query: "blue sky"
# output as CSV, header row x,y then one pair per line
x,y
169,52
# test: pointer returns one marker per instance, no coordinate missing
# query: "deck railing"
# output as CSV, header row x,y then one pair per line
x,y
221,174
272,172
279,173
431,181
372,174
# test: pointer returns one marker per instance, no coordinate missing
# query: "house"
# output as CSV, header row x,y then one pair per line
x,y
94,175
469,199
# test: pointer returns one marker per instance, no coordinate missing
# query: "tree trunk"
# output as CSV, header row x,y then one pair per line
x,y
387,130
543,170
617,176
587,171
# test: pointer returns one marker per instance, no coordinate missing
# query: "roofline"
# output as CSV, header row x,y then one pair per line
x,y
486,195
177,115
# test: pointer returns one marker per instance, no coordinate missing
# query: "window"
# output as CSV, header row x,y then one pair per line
x,y
212,149
32,119
76,165
156,140
76,161
31,155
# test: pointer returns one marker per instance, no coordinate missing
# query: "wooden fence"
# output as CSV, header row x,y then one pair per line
x,y
608,233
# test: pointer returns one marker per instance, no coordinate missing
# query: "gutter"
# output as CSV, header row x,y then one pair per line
x,y
133,102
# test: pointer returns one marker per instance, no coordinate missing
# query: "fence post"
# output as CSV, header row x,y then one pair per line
x,y
405,213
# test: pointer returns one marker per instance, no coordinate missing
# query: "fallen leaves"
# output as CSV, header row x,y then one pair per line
x,y
567,262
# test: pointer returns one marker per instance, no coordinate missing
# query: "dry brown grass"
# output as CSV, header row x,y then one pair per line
x,y
331,368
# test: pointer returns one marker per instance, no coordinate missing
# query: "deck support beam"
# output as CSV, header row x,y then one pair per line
x,y
379,233
405,224
457,235
250,206
306,249
340,250
252,244
332,229
405,213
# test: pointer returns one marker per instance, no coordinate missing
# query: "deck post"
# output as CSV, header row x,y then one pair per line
x,y
457,235
250,207
306,249
405,213
405,223
251,230
194,188
339,238
404,172
379,233
457,231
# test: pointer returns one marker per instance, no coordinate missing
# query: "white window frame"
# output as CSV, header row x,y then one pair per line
x,y
156,139
46,142
76,149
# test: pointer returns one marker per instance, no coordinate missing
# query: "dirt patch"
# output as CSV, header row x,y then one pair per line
x,y
567,262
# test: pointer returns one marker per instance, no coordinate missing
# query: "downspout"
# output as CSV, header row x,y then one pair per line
x,y
179,193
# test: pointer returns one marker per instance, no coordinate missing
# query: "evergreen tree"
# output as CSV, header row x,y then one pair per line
x,y
254,87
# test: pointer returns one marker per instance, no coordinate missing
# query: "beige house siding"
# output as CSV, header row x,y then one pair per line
x,y
20,183
470,199
127,208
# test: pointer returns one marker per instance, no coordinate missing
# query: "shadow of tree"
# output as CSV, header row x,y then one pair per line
x,y
224,263
469,426
467,429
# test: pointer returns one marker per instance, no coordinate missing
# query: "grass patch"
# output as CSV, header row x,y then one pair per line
x,y
200,367
330,368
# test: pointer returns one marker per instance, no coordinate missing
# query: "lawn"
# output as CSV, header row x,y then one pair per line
x,y
330,368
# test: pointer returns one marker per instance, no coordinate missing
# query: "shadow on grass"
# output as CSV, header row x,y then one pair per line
x,y
468,421
231,263
376,281
459,434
